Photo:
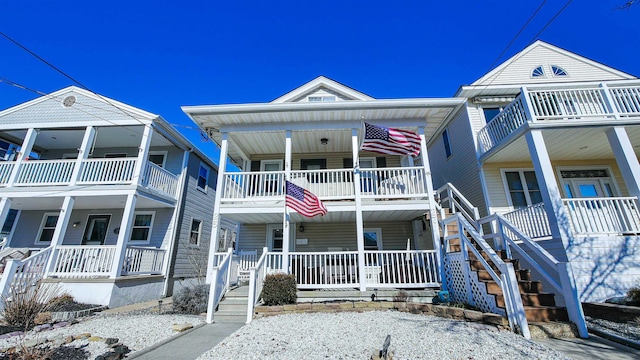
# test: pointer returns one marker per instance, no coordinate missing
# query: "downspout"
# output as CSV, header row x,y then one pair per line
x,y
176,221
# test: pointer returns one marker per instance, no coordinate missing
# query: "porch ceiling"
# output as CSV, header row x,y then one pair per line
x,y
54,203
568,144
260,128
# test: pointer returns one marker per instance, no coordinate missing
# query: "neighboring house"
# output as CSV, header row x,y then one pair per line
x,y
110,201
551,140
375,234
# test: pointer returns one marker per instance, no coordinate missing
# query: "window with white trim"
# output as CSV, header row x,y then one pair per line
x,y
142,226
194,233
158,157
372,239
447,143
321,98
537,72
558,71
47,227
522,188
203,177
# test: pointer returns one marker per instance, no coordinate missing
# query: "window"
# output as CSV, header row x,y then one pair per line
x,y
115,155
8,224
522,187
203,177
222,239
537,72
313,164
96,231
47,227
194,234
141,230
558,71
447,144
373,239
581,182
321,98
490,113
158,157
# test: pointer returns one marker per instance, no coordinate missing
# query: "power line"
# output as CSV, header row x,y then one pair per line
x,y
550,21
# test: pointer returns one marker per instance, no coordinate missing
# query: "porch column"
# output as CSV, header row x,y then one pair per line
x,y
123,236
143,155
23,154
557,214
355,148
59,232
215,223
626,158
83,153
433,214
286,221
5,206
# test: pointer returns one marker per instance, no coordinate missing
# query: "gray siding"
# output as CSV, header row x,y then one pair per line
x,y
461,168
196,204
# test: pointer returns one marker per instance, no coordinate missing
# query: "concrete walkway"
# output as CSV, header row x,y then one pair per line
x,y
190,345
593,348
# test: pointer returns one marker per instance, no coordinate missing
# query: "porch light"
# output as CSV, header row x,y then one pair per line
x,y
75,224
301,228
324,141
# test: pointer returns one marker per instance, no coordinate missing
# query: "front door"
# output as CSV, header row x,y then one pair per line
x,y
271,183
96,231
588,188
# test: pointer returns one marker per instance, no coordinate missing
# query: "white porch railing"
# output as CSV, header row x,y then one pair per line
x,y
326,184
402,268
45,172
6,167
143,261
532,221
107,171
587,216
560,103
393,182
510,238
82,261
160,179
325,269
219,284
18,275
252,186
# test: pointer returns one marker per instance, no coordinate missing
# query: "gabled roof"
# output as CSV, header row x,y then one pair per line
x,y
519,67
325,83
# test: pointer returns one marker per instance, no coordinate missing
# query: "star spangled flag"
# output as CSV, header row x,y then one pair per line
x,y
303,201
390,141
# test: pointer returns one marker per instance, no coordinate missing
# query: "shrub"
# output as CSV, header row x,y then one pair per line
x,y
26,303
279,289
191,300
633,296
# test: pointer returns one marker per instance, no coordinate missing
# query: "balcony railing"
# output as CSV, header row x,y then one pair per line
x,y
551,104
93,171
532,221
403,182
143,261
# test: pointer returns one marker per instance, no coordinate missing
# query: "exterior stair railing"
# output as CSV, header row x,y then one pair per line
x,y
465,288
509,238
19,275
256,280
219,283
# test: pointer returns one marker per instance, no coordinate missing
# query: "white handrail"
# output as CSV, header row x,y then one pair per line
x,y
450,195
160,179
82,261
143,260
6,168
105,171
256,281
20,274
219,284
45,172
611,215
531,220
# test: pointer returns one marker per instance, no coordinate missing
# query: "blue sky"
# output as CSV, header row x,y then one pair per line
x,y
160,55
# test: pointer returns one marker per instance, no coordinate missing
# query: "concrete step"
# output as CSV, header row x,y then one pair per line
x,y
237,300
552,329
421,296
226,308
230,318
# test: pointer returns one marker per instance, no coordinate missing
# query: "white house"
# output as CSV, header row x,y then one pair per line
x,y
106,200
550,140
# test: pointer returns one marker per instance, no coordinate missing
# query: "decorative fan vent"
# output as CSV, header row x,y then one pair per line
x,y
69,101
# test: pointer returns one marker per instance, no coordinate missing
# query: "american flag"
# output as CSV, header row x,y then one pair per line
x,y
390,141
303,201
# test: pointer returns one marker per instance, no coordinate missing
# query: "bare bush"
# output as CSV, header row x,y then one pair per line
x,y
25,303
191,300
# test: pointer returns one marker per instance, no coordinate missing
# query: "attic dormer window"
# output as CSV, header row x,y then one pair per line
x,y
558,71
537,72
321,98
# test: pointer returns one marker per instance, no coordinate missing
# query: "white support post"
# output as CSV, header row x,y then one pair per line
x,y
83,153
215,224
433,214
286,223
549,190
143,155
606,94
355,148
123,236
24,152
59,232
626,158
5,206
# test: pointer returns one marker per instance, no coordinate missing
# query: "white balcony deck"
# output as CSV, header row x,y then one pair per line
x,y
560,104
112,171
332,184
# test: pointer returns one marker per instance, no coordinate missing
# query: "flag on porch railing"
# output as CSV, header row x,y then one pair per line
x,y
390,141
303,201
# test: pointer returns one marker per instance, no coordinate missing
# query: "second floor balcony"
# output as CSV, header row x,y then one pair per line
x,y
561,105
